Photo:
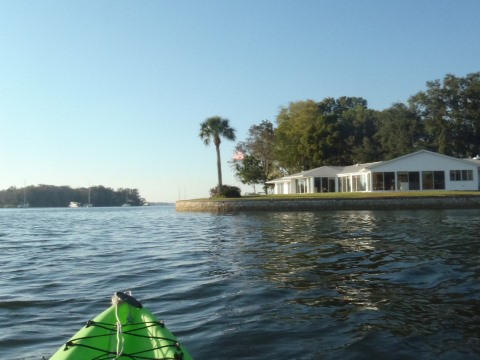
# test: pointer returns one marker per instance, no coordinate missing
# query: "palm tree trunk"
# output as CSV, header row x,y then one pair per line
x,y
219,168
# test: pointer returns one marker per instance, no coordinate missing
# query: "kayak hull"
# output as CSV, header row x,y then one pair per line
x,y
140,336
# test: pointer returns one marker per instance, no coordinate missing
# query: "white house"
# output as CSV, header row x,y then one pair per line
x,y
421,170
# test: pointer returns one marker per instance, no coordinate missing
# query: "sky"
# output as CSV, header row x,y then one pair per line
x,y
112,92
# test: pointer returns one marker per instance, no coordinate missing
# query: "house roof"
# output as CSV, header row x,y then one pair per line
x,y
287,177
358,167
323,171
475,160
419,152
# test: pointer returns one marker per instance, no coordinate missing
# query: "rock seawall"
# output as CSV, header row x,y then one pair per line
x,y
387,203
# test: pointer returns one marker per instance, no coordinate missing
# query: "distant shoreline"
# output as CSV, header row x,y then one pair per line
x,y
330,204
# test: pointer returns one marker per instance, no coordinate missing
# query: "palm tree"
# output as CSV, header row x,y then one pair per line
x,y
215,128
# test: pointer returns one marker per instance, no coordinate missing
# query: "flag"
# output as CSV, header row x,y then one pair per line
x,y
238,155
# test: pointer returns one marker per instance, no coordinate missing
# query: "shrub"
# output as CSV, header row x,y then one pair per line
x,y
227,191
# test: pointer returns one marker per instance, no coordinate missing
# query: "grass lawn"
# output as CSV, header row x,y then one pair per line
x,y
353,195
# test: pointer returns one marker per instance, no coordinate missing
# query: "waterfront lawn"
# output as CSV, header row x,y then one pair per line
x,y
352,195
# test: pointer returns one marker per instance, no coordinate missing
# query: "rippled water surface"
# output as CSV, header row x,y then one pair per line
x,y
306,285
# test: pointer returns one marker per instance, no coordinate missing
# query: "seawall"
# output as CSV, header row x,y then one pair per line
x,y
309,204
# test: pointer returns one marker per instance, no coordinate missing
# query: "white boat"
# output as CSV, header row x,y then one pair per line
x,y
25,203
127,203
73,204
89,204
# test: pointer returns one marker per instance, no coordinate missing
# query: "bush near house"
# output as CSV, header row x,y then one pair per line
x,y
227,191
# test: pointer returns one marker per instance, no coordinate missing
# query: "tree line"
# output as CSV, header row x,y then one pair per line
x,y
308,134
61,196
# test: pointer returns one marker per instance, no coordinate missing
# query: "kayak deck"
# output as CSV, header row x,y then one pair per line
x,y
126,330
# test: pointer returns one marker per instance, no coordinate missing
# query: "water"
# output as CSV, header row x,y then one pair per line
x,y
276,285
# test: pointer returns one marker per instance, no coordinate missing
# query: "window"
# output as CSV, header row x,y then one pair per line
x,y
377,179
344,184
389,180
324,184
433,180
439,180
427,180
383,181
469,175
410,180
317,184
455,175
402,184
358,183
301,186
461,175
331,184
414,180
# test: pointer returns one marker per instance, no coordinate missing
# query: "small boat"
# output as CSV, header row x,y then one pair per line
x,y
88,204
73,204
127,203
126,330
25,203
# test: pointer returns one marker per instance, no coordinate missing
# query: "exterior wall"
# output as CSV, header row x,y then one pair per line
x,y
416,162
462,185
422,161
432,162
386,203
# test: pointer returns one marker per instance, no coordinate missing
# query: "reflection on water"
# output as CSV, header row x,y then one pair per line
x,y
306,285
408,277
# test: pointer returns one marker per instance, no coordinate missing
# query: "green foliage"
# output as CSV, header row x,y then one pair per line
x,y
250,170
215,128
298,126
260,143
227,191
399,131
450,113
311,134
61,196
258,164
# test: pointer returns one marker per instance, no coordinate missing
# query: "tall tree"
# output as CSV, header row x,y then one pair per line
x,y
450,112
351,125
257,164
331,132
213,129
295,136
250,171
363,145
399,132
260,143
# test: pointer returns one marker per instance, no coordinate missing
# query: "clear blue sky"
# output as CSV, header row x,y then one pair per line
x,y
112,92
